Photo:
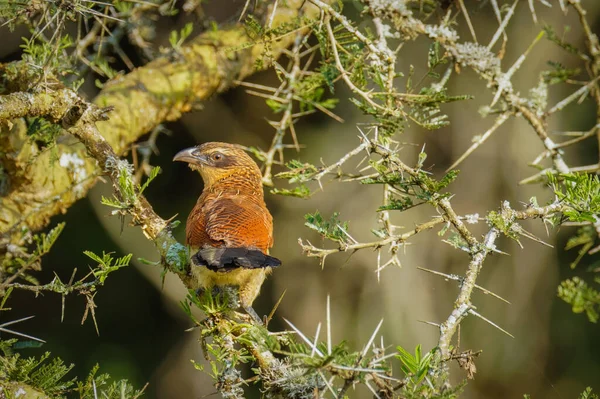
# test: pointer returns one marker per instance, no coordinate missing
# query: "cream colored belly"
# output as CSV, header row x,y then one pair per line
x,y
249,281
239,277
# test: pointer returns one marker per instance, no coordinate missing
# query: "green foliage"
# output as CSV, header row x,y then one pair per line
x,y
417,366
153,173
212,303
103,68
267,35
49,376
45,241
220,349
254,27
438,185
360,59
332,229
310,93
585,238
329,73
425,107
581,192
276,106
435,58
36,372
553,37
581,297
588,394
101,386
128,189
417,384
107,264
49,51
177,38
457,242
258,154
298,172
506,225
42,132
397,204
19,262
559,73
300,191
420,186
45,55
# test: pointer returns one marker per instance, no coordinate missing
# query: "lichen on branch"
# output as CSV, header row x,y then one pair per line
x,y
160,91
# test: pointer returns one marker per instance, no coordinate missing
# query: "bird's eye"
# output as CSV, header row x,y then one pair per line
x,y
217,156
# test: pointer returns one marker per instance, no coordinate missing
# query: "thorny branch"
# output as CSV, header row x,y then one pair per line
x,y
101,130
487,65
174,256
287,101
79,118
150,95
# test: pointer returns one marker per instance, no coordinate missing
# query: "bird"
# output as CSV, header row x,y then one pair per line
x,y
230,230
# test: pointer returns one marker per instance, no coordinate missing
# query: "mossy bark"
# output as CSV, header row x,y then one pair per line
x,y
20,390
39,183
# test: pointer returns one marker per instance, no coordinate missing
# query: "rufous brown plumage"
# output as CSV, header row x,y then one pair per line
x,y
230,230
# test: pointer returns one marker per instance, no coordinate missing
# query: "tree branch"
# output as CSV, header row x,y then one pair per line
x,y
158,92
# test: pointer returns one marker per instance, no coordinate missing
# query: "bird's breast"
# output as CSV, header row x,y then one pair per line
x,y
223,218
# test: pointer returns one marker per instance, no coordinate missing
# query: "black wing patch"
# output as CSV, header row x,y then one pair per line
x,y
227,259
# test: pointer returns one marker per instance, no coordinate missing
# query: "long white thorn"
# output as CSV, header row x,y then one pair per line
x,y
474,313
304,338
368,345
328,325
312,354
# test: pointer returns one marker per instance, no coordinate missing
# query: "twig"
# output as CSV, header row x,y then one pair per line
x,y
462,305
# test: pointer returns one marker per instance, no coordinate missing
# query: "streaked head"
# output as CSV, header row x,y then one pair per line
x,y
215,161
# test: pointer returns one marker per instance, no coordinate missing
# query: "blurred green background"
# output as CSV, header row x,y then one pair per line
x,y
555,353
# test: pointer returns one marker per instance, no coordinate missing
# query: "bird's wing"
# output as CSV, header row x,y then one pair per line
x,y
228,259
239,223
195,230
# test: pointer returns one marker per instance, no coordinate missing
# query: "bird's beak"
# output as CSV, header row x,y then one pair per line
x,y
190,155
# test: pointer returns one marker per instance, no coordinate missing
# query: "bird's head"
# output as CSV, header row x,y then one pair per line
x,y
216,161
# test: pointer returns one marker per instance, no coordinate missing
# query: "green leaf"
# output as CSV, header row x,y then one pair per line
x,y
434,58
113,202
5,298
416,366
107,264
580,192
585,237
300,191
153,173
332,229
298,171
581,297
400,204
176,39
409,363
553,37
587,394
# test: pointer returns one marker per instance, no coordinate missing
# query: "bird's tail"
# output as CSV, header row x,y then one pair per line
x,y
227,259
